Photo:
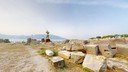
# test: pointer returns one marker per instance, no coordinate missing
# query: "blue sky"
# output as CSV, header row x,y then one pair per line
x,y
74,19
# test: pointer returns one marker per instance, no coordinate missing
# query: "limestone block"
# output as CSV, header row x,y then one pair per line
x,y
57,62
119,63
92,49
95,63
122,49
77,57
68,47
65,54
77,47
49,52
106,50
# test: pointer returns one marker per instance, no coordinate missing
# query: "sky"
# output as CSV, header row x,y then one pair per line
x,y
73,19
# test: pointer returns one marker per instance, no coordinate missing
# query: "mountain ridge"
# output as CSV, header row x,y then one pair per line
x,y
36,36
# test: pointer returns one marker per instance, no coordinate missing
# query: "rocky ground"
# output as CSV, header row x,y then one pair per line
x,y
20,58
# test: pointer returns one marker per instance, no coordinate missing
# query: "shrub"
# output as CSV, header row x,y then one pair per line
x,y
55,52
98,37
29,40
42,52
42,40
6,41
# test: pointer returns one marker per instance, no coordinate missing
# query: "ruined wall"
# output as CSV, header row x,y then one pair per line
x,y
122,49
82,42
111,41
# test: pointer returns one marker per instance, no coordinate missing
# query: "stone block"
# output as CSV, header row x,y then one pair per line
x,y
95,63
122,49
65,54
117,62
77,57
49,52
106,50
57,62
77,47
68,47
92,49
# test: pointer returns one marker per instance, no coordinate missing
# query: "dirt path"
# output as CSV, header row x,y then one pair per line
x,y
20,58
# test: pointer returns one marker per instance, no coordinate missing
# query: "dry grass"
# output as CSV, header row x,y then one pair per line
x,y
125,57
17,58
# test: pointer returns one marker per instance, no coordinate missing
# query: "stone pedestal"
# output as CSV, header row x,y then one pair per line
x,y
57,62
47,40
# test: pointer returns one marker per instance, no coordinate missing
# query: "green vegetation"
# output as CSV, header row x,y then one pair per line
x,y
55,52
98,37
124,35
110,36
42,52
29,40
42,40
4,41
92,38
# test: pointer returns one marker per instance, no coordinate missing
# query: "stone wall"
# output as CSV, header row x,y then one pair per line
x,y
122,49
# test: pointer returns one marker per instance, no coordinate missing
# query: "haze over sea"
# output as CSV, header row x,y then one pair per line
x,y
21,40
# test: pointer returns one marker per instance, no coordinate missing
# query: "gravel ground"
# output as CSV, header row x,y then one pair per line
x,y
20,58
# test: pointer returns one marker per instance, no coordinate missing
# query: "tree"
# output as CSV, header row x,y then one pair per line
x,y
42,40
1,40
92,38
98,37
6,41
124,35
29,40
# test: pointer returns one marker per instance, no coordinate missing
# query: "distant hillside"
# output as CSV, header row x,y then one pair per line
x,y
37,36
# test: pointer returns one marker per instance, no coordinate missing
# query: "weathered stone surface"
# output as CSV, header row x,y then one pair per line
x,y
85,42
49,52
82,42
68,47
77,47
50,43
64,48
65,54
95,63
119,63
77,57
122,49
111,41
57,61
92,49
66,41
106,50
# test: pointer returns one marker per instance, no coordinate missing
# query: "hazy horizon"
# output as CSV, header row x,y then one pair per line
x,y
72,19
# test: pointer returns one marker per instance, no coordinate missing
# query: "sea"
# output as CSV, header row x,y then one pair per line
x,y
25,40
